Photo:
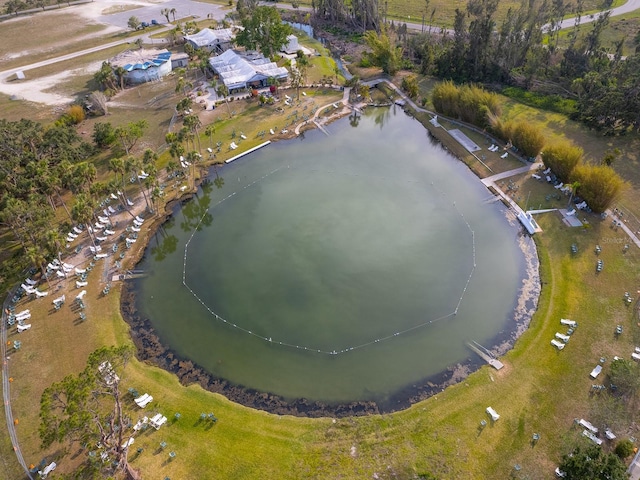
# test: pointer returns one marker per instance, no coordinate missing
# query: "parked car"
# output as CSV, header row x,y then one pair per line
x,y
144,24
154,22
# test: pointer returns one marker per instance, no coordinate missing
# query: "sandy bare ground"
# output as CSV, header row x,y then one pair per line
x,y
42,90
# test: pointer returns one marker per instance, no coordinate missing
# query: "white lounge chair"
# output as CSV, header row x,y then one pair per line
x,y
609,434
101,255
233,146
128,443
27,288
98,226
113,195
547,171
271,131
558,344
81,295
592,437
537,177
95,249
559,186
81,284
135,229
106,212
48,469
28,281
24,328
563,337
569,323
23,313
61,274
636,356
112,210
571,213
504,155
130,203
102,219
584,423
596,371
59,300
41,294
140,423
101,239
108,232
77,230
80,271
493,414
143,400
159,422
137,223
209,149
139,219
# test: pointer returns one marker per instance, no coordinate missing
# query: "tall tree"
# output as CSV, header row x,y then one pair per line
x,y
86,409
264,31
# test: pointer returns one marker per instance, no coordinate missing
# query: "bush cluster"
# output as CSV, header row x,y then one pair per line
x,y
468,103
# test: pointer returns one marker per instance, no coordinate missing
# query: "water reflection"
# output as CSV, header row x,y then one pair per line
x,y
165,243
196,213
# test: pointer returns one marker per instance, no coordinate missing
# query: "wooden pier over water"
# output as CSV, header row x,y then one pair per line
x,y
485,354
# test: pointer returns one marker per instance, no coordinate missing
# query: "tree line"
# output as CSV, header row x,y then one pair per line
x,y
523,49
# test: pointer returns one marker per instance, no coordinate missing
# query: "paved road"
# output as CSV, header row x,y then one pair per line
x,y
629,6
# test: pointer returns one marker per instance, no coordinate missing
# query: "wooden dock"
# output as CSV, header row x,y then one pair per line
x,y
485,355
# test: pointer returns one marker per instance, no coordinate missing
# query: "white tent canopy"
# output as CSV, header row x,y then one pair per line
x,y
237,72
211,39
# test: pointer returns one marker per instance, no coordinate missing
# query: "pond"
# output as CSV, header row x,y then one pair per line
x,y
337,267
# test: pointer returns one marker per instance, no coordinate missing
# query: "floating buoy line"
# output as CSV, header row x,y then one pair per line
x,y
309,348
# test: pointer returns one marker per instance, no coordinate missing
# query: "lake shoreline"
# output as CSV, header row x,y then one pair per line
x,y
150,349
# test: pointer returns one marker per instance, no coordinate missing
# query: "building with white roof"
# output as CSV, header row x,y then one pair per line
x,y
251,70
216,41
292,45
143,65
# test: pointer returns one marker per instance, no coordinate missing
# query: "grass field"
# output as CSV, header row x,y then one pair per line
x,y
540,390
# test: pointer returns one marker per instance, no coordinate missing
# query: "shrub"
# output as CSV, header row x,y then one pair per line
x,y
527,138
562,158
104,134
599,185
624,449
410,86
75,114
468,103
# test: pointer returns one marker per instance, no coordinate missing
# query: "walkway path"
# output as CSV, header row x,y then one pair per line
x,y
314,119
6,391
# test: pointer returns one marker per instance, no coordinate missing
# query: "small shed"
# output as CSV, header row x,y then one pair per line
x,y
292,45
20,75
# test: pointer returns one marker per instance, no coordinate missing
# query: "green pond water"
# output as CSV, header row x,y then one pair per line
x,y
335,268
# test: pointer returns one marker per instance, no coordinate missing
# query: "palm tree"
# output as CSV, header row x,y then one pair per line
x,y
37,258
192,122
134,165
165,12
193,157
120,72
223,92
209,131
82,212
173,12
